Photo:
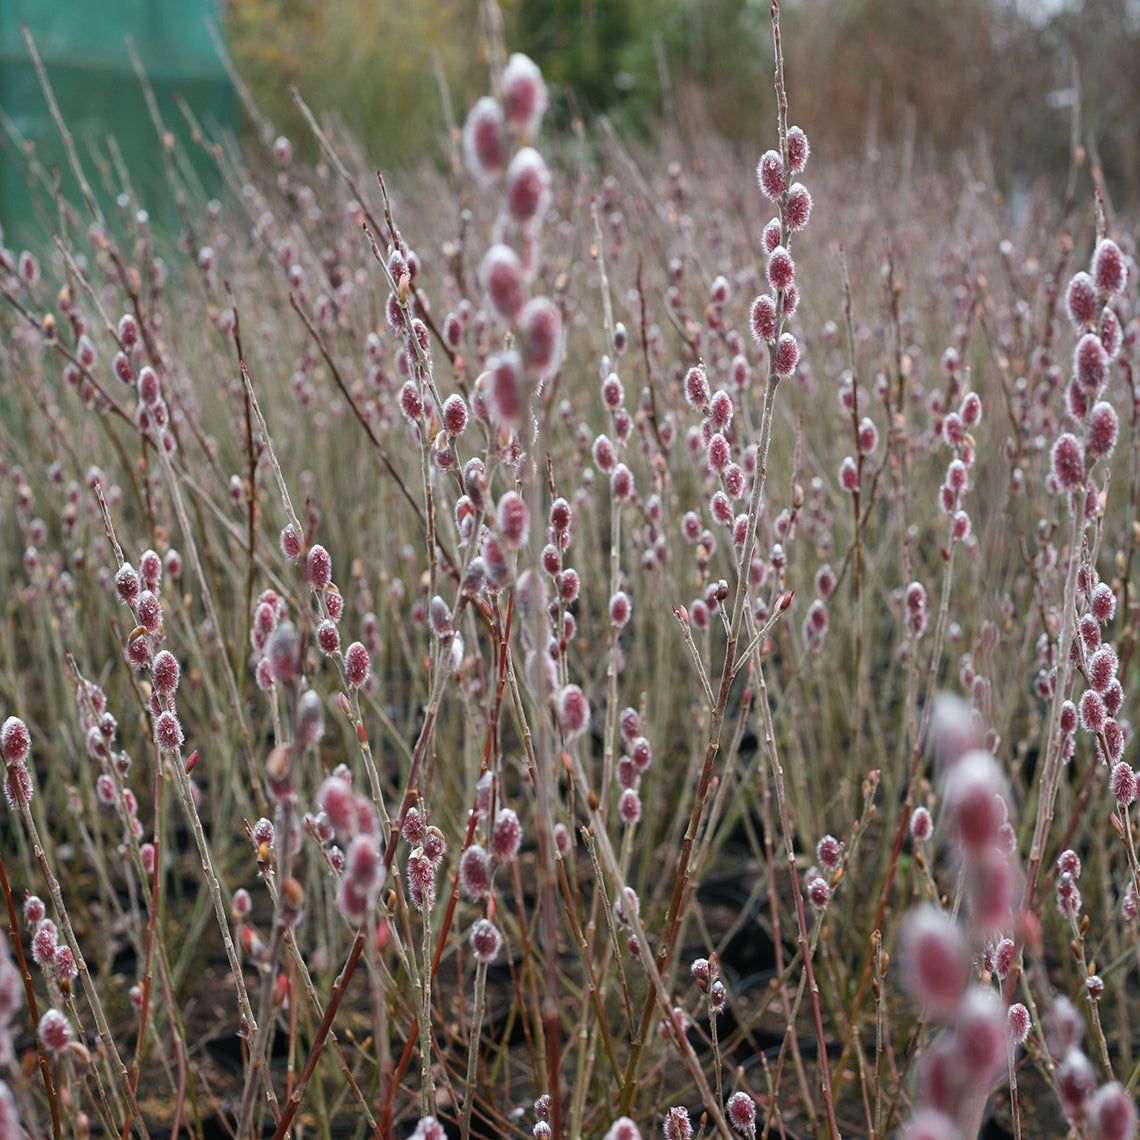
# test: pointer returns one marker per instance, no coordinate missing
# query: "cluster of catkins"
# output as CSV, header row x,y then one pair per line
x,y
502,836
54,1032
274,638
345,822
494,129
717,447
740,1109
140,590
152,416
793,201
1097,710
935,951
726,463
347,827
524,331
633,763
954,969
1089,302
55,959
955,428
58,964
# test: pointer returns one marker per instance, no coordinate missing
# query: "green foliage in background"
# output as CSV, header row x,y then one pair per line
x,y
938,75
372,64
580,45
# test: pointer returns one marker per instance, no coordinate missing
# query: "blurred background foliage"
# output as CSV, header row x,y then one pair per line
x,y
940,76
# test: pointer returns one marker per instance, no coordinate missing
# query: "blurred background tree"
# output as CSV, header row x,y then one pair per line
x,y
937,75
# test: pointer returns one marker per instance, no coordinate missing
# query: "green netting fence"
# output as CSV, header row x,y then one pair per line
x,y
84,50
